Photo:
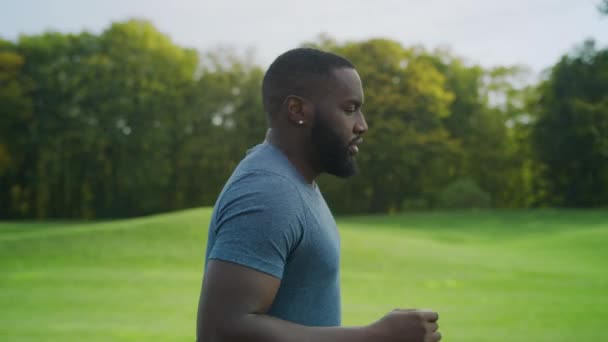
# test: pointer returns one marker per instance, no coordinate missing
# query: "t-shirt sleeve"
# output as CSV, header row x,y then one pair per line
x,y
259,222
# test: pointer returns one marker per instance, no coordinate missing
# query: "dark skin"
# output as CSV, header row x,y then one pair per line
x,y
340,100
235,299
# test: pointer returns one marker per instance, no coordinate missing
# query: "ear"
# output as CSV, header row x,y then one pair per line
x,y
299,110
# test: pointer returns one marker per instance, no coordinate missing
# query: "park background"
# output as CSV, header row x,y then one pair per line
x,y
483,190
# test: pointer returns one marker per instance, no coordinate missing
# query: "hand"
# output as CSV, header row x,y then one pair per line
x,y
409,325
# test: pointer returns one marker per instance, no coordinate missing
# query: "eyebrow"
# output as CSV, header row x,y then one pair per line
x,y
356,102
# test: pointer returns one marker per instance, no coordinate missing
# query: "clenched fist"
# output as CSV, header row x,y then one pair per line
x,y
407,325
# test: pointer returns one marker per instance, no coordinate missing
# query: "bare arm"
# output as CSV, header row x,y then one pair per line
x,y
235,299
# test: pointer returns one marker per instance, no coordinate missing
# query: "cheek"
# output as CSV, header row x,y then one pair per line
x,y
337,124
345,125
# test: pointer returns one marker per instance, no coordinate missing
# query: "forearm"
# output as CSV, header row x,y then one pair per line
x,y
263,328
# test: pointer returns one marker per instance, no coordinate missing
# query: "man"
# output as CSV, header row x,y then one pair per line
x,y
272,263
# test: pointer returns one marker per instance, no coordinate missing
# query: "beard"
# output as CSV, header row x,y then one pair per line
x,y
332,150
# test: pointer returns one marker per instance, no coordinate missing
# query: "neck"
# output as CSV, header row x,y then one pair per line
x,y
297,155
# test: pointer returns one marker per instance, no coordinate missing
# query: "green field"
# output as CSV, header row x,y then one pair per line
x,y
493,276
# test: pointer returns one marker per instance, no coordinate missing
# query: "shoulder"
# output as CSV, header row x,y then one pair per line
x,y
262,182
263,190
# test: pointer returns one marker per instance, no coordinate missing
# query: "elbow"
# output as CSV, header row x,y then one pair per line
x,y
223,329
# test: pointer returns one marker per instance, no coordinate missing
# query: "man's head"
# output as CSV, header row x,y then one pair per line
x,y
315,99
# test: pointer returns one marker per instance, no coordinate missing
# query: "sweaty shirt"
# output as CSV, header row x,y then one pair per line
x,y
270,219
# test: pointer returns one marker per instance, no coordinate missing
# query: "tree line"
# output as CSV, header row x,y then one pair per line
x,y
127,123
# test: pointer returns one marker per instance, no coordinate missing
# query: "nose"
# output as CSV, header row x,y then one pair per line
x,y
360,125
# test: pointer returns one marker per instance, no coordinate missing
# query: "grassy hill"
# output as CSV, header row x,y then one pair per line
x,y
492,275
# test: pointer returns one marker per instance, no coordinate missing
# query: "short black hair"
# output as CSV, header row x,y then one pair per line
x,y
294,72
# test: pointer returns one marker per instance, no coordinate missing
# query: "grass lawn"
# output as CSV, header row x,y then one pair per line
x,y
493,275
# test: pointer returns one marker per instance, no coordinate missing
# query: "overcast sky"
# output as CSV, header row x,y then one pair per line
x,y
490,32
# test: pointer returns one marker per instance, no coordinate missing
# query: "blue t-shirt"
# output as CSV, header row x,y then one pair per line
x,y
270,219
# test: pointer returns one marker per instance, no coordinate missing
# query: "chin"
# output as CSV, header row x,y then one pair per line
x,y
345,170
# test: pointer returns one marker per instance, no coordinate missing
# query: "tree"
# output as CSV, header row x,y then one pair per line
x,y
137,86
408,156
105,112
15,129
123,123
603,7
229,120
571,134
126,123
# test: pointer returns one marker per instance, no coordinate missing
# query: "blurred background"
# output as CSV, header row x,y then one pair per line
x,y
121,109
469,103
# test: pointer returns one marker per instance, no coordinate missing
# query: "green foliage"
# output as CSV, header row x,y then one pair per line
x,y
486,118
15,128
127,123
117,124
407,150
571,134
464,194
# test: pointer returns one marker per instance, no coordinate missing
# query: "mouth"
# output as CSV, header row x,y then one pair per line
x,y
353,148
